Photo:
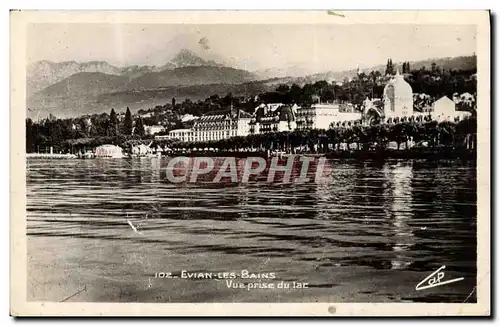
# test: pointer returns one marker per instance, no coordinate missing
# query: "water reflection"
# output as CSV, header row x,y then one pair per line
x,y
400,212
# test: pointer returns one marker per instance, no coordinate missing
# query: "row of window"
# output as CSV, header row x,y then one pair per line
x,y
205,137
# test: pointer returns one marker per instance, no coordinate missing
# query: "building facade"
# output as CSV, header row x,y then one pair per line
x,y
212,127
220,126
151,130
275,117
398,98
445,109
183,135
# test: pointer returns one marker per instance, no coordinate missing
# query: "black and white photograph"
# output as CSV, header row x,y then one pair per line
x,y
245,157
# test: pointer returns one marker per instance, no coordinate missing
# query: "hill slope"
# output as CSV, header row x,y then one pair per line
x,y
85,83
449,63
453,63
191,75
95,83
66,106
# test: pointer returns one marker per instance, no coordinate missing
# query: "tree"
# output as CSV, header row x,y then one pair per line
x,y
127,123
328,95
389,69
397,133
30,135
113,124
295,92
447,132
406,67
139,128
432,133
433,67
283,88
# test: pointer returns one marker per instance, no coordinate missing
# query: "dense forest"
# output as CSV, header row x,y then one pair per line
x,y
429,83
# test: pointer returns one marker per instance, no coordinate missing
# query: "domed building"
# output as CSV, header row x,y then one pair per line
x,y
398,98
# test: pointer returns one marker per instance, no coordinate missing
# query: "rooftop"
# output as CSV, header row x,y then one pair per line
x,y
180,130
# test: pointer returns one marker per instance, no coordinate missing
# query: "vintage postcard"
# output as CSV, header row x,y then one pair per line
x,y
240,163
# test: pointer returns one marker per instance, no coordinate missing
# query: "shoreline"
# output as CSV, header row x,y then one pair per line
x,y
355,154
406,154
50,156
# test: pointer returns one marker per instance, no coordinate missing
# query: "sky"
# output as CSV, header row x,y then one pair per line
x,y
315,47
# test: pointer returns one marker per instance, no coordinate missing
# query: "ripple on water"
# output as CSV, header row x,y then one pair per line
x,y
403,218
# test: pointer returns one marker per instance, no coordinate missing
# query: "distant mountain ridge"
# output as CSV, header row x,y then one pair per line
x,y
95,83
42,74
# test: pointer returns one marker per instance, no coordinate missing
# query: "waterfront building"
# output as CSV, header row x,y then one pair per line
x,y
467,97
442,109
154,129
163,137
445,109
275,117
188,117
142,150
322,116
396,104
398,98
147,115
109,151
214,126
184,135
217,126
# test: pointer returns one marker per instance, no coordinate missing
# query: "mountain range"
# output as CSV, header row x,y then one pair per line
x,y
42,74
70,88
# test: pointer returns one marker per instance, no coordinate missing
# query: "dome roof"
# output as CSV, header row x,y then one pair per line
x,y
398,87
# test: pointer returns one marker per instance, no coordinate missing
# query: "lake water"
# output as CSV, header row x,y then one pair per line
x,y
367,232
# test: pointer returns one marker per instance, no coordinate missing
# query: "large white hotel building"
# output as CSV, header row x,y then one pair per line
x,y
215,126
